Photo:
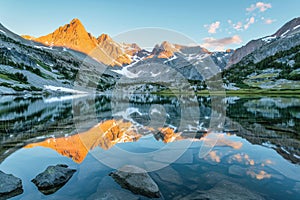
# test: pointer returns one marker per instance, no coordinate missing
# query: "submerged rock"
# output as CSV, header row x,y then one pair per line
x,y
225,190
10,186
136,180
168,174
53,178
108,190
113,194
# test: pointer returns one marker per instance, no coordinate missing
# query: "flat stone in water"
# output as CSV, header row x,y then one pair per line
x,y
136,180
10,186
53,178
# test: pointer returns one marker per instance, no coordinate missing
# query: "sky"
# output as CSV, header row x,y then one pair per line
x,y
214,24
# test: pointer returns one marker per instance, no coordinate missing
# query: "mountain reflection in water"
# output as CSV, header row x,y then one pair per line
x,y
110,132
257,145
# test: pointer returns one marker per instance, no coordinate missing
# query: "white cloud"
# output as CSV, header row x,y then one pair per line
x,y
249,22
212,28
269,21
220,44
261,6
238,26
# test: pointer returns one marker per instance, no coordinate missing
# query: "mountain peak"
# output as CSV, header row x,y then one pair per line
x,y
282,36
72,35
288,28
75,24
75,21
104,37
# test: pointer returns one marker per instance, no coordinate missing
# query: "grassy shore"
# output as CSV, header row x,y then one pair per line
x,y
241,92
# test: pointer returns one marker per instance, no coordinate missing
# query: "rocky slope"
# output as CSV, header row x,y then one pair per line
x,y
28,66
271,62
58,60
279,71
256,50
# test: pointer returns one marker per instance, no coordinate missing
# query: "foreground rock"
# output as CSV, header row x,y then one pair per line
x,y
136,180
10,186
224,190
53,178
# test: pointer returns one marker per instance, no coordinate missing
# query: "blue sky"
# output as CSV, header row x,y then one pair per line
x,y
216,24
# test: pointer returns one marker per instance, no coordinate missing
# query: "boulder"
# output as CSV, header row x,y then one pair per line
x,y
136,180
53,178
10,186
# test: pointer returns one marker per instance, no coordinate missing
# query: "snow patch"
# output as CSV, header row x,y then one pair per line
x,y
63,89
126,114
64,98
154,110
230,100
170,59
42,47
298,26
154,75
269,145
125,72
285,33
268,39
230,86
283,149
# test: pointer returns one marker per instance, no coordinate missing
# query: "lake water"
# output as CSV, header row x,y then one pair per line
x,y
188,144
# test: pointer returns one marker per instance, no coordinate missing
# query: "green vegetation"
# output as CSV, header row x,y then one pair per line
x,y
46,67
239,73
65,65
4,76
16,77
241,92
67,73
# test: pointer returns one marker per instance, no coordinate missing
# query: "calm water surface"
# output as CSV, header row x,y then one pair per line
x,y
188,144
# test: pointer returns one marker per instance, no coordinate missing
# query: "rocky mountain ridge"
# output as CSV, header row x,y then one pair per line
x,y
256,50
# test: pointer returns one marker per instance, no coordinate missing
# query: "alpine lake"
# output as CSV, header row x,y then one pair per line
x,y
192,146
